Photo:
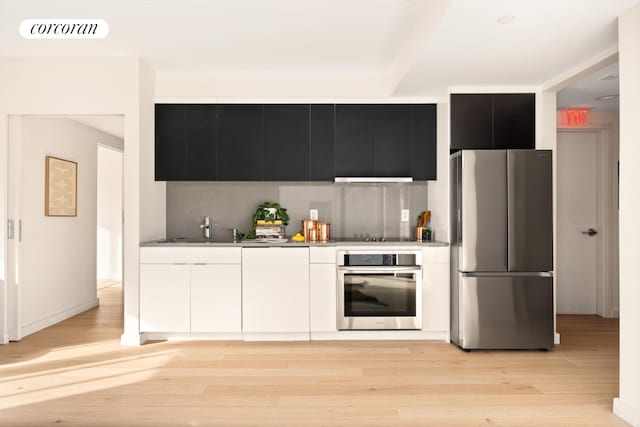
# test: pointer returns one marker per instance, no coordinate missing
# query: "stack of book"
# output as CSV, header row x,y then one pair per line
x,y
269,230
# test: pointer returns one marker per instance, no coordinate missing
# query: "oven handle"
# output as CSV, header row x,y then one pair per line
x,y
364,269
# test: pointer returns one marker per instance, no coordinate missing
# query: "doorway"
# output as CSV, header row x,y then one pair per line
x,y
584,285
53,258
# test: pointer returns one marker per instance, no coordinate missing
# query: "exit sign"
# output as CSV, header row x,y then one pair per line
x,y
574,117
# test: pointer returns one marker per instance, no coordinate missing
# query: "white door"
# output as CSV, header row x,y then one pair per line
x,y
164,298
577,260
216,298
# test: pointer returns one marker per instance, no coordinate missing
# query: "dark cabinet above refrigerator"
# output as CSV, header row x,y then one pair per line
x,y
294,142
493,121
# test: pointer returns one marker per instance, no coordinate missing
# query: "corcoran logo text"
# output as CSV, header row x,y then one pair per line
x,y
64,29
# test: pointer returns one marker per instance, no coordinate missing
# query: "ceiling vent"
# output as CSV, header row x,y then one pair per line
x,y
609,77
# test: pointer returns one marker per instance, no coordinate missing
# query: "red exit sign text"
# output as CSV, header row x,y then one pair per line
x,y
574,117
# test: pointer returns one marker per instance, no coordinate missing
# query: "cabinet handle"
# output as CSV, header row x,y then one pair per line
x,y
199,263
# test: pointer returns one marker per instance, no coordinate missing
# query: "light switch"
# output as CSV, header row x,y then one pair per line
x,y
313,214
404,215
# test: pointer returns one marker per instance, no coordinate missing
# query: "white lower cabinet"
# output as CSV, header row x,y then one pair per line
x,y
275,290
199,292
216,298
164,297
435,289
322,300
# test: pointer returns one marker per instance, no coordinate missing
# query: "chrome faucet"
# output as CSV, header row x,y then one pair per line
x,y
207,228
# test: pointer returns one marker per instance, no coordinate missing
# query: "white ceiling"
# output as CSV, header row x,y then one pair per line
x,y
113,125
419,47
584,93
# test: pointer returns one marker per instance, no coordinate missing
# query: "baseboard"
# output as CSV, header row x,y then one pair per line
x,y
5,339
556,338
194,336
58,317
626,412
380,335
275,336
133,340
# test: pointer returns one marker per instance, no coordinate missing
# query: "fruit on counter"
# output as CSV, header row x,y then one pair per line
x,y
298,238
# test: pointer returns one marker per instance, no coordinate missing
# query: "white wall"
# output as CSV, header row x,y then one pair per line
x,y
98,86
627,405
58,274
109,195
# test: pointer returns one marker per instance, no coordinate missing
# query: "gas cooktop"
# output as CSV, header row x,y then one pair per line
x,y
372,239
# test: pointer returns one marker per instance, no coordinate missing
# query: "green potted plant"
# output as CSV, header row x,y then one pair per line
x,y
268,212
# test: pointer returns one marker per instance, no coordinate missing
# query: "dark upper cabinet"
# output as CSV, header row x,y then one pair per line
x,y
286,142
240,153
393,140
514,124
321,125
294,142
471,121
185,142
488,121
424,142
353,142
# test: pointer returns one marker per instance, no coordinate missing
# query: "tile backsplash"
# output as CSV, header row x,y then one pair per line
x,y
354,210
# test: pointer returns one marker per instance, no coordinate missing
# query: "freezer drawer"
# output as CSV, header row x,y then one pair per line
x,y
505,312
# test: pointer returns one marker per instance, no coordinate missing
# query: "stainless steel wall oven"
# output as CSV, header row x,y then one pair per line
x,y
379,290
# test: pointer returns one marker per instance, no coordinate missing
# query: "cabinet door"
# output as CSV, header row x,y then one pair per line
x,y
240,152
354,140
275,290
322,300
170,142
435,289
164,298
321,143
425,150
200,129
393,140
471,121
216,298
286,135
514,120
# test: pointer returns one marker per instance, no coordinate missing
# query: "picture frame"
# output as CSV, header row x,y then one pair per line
x,y
61,187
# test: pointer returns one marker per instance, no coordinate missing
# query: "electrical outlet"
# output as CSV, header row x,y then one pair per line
x,y
404,215
313,214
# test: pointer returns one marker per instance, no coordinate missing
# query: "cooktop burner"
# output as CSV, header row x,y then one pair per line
x,y
372,239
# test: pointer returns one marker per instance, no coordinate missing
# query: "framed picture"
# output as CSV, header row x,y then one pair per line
x,y
61,187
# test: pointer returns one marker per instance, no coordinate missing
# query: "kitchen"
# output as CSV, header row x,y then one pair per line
x,y
146,200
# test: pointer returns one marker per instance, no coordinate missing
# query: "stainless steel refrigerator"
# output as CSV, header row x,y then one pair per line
x,y
501,249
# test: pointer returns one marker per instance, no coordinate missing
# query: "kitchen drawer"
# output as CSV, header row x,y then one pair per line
x,y
190,255
323,255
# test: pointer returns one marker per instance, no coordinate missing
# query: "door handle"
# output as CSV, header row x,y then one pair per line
x,y
591,232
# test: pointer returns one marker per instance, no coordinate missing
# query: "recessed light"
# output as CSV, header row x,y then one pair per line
x,y
607,98
506,19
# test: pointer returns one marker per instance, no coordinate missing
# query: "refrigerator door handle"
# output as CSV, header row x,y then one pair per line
x,y
508,274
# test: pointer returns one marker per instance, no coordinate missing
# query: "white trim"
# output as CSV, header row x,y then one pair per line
x,y
193,336
604,268
295,100
14,249
275,336
58,317
380,335
626,411
491,89
133,340
556,338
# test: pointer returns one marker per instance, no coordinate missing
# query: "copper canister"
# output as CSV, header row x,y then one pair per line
x,y
308,224
313,235
419,232
323,231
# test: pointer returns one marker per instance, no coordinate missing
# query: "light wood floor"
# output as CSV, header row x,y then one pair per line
x,y
76,373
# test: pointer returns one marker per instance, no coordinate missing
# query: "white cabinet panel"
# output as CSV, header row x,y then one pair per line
x,y
322,302
275,290
435,289
189,255
322,255
164,298
216,298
